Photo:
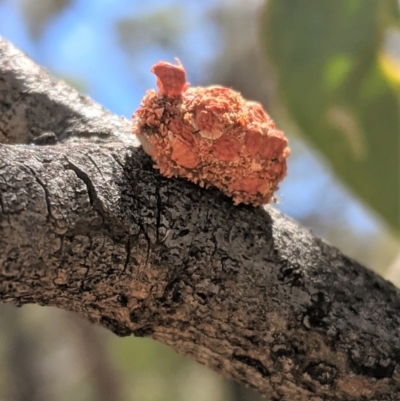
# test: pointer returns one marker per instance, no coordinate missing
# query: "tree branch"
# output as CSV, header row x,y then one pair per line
x,y
93,228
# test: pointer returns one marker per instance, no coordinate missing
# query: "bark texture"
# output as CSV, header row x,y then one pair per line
x,y
89,226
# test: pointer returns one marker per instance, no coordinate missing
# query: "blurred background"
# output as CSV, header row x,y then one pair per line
x,y
327,72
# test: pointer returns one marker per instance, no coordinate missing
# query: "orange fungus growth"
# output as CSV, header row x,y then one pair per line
x,y
211,136
226,149
171,79
183,154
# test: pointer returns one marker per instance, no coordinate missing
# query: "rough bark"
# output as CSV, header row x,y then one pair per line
x,y
94,229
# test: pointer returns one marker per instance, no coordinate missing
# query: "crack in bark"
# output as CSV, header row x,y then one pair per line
x,y
95,164
215,245
45,189
128,254
158,219
93,198
253,363
148,241
1,204
87,181
115,157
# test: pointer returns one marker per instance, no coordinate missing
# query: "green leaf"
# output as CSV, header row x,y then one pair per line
x,y
334,80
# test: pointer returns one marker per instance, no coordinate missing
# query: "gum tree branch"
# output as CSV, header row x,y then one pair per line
x,y
89,226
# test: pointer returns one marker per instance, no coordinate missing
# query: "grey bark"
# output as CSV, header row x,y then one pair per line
x,y
93,228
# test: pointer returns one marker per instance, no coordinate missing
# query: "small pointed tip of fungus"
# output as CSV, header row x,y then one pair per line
x,y
171,79
211,136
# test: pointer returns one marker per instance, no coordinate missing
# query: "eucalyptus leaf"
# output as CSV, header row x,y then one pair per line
x,y
333,80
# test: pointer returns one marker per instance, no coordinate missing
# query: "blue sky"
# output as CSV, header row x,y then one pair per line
x,y
82,44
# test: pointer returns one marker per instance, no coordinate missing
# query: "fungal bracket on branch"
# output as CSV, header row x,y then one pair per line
x,y
211,136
